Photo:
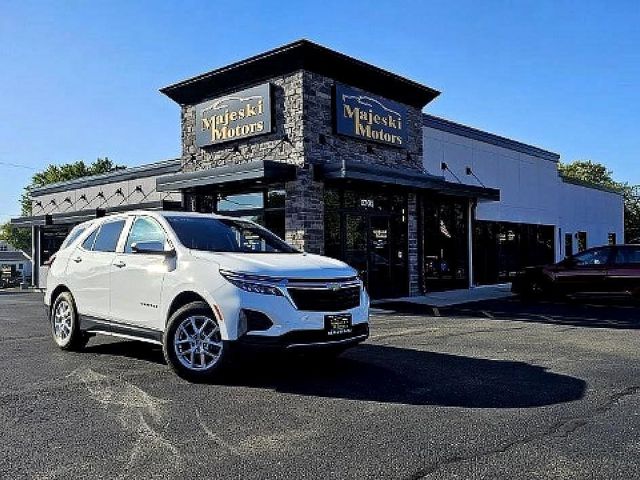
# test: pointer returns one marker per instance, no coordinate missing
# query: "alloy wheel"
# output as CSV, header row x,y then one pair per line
x,y
197,342
62,321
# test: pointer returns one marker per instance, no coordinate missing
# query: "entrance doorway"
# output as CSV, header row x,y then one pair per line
x,y
369,232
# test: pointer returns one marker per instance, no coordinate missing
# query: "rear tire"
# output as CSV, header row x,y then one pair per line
x,y
192,344
65,327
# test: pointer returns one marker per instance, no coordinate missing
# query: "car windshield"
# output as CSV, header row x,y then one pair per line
x,y
226,235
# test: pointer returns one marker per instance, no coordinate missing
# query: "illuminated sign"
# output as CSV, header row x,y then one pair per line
x,y
237,116
364,116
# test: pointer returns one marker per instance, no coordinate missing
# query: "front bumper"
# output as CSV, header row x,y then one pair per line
x,y
306,339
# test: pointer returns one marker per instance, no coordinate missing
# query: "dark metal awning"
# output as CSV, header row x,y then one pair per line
x,y
72,218
264,170
356,171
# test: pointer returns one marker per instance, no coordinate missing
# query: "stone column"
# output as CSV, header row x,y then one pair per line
x,y
304,212
412,236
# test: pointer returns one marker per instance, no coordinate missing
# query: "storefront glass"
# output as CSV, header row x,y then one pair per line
x,y
369,232
264,206
444,226
501,249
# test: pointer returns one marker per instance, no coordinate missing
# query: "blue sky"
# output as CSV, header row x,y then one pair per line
x,y
80,79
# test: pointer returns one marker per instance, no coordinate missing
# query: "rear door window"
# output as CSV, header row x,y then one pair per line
x,y
108,236
628,256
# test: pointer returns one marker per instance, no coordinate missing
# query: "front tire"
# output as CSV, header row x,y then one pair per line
x,y
193,345
65,327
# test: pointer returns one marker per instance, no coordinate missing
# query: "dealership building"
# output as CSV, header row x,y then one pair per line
x,y
337,157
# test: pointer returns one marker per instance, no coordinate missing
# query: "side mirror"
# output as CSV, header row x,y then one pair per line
x,y
151,248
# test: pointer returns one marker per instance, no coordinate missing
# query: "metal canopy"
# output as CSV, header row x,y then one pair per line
x,y
265,170
350,170
67,218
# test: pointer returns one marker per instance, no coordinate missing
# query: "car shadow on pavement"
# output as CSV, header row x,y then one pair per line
x,y
130,349
401,375
617,313
389,374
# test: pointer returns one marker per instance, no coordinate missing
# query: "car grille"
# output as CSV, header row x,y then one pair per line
x,y
325,299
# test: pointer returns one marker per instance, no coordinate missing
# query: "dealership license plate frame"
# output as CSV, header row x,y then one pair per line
x,y
339,324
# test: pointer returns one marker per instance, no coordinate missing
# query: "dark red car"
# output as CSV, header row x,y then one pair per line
x,y
613,269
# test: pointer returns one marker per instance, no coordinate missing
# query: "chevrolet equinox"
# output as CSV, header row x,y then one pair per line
x,y
202,286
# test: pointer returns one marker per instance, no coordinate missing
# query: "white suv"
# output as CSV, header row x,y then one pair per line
x,y
200,286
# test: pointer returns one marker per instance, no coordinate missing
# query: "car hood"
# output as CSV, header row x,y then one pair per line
x,y
288,265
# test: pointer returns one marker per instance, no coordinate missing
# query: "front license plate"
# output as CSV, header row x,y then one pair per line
x,y
338,324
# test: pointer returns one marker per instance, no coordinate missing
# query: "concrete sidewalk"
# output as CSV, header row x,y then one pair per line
x,y
453,297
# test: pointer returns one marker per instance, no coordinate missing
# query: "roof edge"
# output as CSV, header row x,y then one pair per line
x,y
593,186
305,48
482,136
141,171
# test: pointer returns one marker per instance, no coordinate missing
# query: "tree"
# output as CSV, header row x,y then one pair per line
x,y
21,237
597,174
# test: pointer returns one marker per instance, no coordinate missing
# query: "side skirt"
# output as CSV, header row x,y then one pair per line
x,y
93,326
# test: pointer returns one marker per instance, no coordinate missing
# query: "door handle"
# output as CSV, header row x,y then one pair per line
x,y
119,264
77,259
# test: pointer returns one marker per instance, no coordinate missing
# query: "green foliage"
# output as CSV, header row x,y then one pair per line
x,y
17,237
21,237
597,174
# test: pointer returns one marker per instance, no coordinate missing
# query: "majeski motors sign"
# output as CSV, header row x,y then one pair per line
x,y
237,116
368,117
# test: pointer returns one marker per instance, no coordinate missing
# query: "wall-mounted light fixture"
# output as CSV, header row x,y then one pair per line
x,y
470,172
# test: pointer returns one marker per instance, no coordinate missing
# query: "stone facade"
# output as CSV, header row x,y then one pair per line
x,y
284,144
318,121
304,135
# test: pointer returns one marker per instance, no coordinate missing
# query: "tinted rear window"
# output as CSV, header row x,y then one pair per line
x,y
628,255
88,243
108,236
75,233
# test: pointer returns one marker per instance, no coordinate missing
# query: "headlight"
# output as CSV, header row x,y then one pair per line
x,y
253,283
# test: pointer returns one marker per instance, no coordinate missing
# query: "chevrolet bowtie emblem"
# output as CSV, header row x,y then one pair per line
x,y
334,286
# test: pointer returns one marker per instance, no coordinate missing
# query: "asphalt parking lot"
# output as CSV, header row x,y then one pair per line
x,y
495,389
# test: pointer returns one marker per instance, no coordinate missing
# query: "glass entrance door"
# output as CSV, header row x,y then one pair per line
x,y
375,246
379,256
368,231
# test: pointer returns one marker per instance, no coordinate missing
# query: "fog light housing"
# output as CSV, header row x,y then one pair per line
x,y
253,321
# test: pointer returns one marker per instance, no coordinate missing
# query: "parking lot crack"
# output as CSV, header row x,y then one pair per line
x,y
558,430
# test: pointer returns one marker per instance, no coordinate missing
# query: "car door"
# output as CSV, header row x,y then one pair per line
x,y
624,272
137,278
584,272
89,269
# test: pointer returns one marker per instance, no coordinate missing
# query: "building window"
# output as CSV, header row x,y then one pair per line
x,y
501,249
445,243
582,241
3,248
612,238
568,244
